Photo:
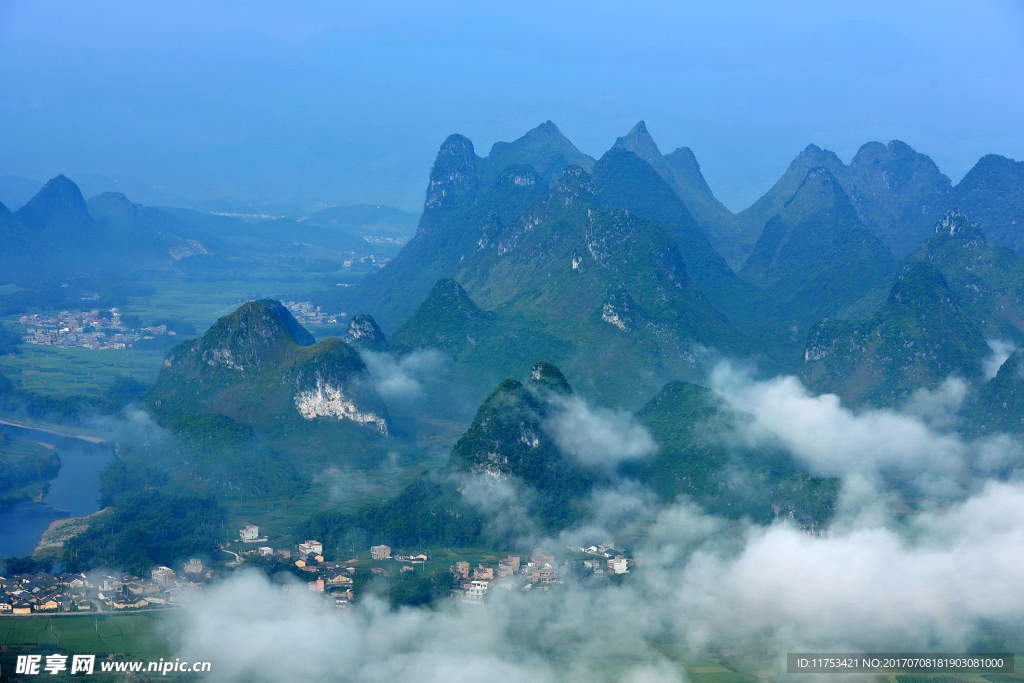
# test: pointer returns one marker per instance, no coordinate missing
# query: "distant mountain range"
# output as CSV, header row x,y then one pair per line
x,y
57,234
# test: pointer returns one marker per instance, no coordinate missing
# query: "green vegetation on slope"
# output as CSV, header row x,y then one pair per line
x,y
918,338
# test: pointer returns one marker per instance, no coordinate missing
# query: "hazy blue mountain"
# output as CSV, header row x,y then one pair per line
x,y
987,279
58,212
682,173
917,339
898,193
135,232
544,148
749,223
992,193
14,257
366,220
602,292
625,181
815,257
454,214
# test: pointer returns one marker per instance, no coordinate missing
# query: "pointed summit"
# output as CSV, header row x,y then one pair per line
x,y
59,209
639,142
682,174
626,181
750,222
544,147
448,319
253,335
992,193
983,276
957,225
574,185
363,333
815,257
461,200
549,377
453,174
260,367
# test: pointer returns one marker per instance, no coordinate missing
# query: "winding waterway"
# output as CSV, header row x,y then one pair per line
x,y
74,493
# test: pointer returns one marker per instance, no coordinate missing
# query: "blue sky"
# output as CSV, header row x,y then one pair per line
x,y
347,102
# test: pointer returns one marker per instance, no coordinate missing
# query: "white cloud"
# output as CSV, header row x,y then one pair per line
x,y
832,440
598,437
404,377
1001,350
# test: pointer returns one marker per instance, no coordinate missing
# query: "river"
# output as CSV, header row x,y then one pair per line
x,y
74,493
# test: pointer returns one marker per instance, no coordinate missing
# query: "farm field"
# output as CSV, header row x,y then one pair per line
x,y
78,371
137,635
54,371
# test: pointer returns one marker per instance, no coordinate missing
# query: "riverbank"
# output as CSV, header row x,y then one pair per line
x,y
60,530
62,432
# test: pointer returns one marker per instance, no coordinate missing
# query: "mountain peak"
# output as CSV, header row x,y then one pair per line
x,y
574,184
956,224
640,142
548,129
59,205
363,332
544,147
547,376
454,167
819,185
245,338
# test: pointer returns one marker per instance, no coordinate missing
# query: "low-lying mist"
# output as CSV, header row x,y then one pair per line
x,y
884,577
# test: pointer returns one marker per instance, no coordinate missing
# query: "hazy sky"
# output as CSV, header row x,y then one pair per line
x,y
348,101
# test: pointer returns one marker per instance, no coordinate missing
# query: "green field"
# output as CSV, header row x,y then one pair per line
x,y
54,371
58,371
202,303
140,635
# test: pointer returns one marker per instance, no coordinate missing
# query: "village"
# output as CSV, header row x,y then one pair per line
x,y
100,592
23,594
308,314
96,329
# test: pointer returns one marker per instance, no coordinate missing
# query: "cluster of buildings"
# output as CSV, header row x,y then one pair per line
x,y
539,573
308,314
332,579
383,552
90,329
96,592
614,562
374,261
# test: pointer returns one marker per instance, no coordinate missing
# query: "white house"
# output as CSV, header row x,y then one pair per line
x,y
163,576
311,548
477,591
618,565
250,533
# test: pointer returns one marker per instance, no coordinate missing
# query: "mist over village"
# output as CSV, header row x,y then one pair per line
x,y
668,342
